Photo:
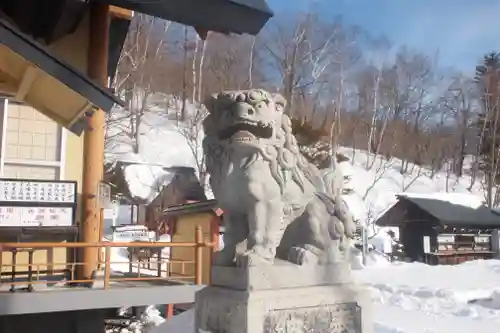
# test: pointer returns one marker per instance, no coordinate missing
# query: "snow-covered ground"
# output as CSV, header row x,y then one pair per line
x,y
416,298
408,298
420,298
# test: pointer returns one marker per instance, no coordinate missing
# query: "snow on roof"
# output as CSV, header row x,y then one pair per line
x,y
144,180
455,214
462,199
162,146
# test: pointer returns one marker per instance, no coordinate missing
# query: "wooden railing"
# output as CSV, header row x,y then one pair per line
x,y
10,274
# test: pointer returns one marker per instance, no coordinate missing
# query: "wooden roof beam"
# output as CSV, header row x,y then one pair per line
x,y
120,12
27,80
8,86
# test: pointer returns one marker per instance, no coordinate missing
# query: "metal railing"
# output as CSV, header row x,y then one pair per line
x,y
42,272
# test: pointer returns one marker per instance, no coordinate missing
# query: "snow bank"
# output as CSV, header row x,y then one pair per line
x,y
382,242
495,299
182,323
147,323
373,258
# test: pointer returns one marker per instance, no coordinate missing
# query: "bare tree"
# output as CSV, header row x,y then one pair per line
x,y
304,54
139,75
410,99
250,64
194,72
488,82
183,114
460,100
379,174
192,131
379,52
224,68
200,68
413,177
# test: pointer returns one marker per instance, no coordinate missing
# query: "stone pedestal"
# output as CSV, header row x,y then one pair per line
x,y
283,298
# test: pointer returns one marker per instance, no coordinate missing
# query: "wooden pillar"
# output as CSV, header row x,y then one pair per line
x,y
215,232
198,257
101,234
93,147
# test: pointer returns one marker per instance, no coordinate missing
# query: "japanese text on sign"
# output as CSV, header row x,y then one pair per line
x,y
33,191
35,216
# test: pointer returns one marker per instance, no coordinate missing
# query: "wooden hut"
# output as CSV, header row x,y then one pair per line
x,y
437,231
184,187
177,210
182,221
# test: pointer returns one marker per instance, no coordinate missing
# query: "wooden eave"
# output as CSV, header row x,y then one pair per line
x,y
119,12
224,16
30,74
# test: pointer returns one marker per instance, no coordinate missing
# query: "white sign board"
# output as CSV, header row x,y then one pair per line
x,y
11,216
35,191
135,235
446,238
427,244
134,232
105,195
32,203
482,239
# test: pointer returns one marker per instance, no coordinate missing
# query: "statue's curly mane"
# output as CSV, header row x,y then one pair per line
x,y
284,156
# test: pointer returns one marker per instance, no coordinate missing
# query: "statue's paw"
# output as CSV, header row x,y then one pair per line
x,y
302,256
251,258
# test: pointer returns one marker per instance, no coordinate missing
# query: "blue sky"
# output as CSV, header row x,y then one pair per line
x,y
462,30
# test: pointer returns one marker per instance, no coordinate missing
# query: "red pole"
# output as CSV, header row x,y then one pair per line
x,y
169,310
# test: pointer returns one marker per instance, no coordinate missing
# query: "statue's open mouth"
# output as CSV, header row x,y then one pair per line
x,y
247,131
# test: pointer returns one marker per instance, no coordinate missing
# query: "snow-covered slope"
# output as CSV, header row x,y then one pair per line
x,y
374,189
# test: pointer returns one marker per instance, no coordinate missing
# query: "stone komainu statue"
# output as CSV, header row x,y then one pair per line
x,y
276,204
